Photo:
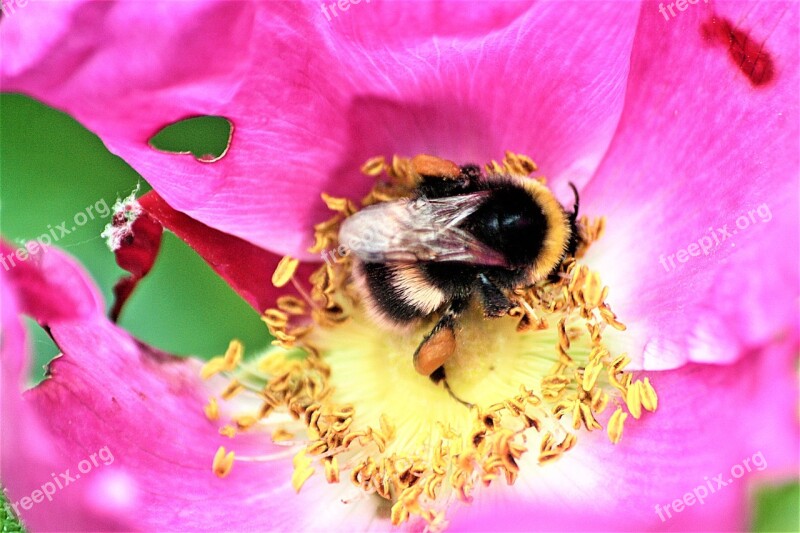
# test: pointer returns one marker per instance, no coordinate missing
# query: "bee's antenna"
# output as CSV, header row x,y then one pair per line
x,y
577,201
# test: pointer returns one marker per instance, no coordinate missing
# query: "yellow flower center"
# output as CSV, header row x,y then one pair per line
x,y
534,379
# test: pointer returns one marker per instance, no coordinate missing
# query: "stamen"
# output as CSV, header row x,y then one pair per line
x,y
332,469
232,390
648,395
374,167
344,394
513,164
302,470
224,363
615,424
223,462
341,205
281,435
633,399
299,288
284,271
212,409
291,305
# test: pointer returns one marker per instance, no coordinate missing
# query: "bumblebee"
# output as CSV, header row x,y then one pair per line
x,y
460,236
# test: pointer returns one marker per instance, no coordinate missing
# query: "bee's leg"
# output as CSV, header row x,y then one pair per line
x,y
495,303
441,377
439,345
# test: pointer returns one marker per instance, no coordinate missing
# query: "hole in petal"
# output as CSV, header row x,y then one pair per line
x,y
207,138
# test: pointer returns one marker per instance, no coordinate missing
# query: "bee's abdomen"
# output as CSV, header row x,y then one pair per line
x,y
398,292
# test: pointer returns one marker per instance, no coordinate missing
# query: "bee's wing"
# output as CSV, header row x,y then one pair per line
x,y
420,229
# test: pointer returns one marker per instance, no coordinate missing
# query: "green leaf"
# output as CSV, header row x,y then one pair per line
x,y
10,523
777,508
52,169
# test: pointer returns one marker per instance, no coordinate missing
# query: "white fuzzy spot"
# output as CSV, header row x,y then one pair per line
x,y
126,211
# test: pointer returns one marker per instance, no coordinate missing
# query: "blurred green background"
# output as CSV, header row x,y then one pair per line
x,y
52,168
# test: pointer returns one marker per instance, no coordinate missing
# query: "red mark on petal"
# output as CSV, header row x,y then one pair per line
x,y
747,54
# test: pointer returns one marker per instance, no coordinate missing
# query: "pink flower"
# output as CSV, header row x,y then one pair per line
x,y
677,130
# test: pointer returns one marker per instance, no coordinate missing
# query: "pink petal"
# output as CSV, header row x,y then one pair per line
x,y
709,420
111,391
50,285
700,146
311,100
126,420
28,453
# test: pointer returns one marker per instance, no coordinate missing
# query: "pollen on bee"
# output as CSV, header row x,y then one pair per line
x,y
435,351
427,165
